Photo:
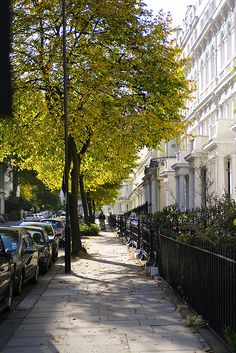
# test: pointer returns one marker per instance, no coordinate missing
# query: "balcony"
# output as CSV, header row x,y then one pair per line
x,y
196,145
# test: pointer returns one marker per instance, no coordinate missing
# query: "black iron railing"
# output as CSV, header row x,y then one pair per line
x,y
204,279
202,273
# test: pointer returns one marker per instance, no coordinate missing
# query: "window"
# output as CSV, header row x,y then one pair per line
x,y
212,6
212,59
10,241
222,49
207,68
221,112
1,247
234,108
201,75
200,129
229,42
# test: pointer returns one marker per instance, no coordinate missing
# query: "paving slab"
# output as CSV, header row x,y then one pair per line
x,y
107,304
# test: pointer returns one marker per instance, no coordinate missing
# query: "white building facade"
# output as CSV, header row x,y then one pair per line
x,y
153,182
203,166
207,169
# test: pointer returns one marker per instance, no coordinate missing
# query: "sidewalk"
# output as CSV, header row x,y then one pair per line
x,y
106,305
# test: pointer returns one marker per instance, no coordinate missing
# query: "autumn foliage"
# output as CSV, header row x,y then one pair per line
x,y
126,89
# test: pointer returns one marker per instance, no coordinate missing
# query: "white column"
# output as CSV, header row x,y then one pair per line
x,y
211,179
197,187
154,194
146,191
177,189
161,194
166,191
171,197
181,193
191,188
220,175
218,54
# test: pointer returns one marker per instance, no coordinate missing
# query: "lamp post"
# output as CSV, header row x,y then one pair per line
x,y
65,105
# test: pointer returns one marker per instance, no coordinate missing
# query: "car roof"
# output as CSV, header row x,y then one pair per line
x,y
39,224
5,228
8,229
52,220
28,227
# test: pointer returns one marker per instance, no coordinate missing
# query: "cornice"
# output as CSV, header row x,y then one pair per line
x,y
210,29
179,165
219,89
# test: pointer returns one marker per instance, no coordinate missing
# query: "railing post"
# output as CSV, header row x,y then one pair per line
x,y
151,261
139,240
119,225
125,227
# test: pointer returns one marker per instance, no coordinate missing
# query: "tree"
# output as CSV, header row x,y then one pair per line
x,y
34,190
33,194
126,82
105,167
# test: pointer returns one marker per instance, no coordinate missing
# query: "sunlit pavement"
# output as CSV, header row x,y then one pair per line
x,y
105,305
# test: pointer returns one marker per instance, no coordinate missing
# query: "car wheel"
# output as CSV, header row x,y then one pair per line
x,y
19,284
36,275
9,295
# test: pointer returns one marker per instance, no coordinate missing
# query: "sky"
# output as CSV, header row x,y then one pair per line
x,y
177,8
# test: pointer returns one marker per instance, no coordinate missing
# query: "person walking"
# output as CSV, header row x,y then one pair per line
x,y
102,219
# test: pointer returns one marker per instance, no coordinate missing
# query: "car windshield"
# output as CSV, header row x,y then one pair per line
x,y
10,240
36,235
54,223
57,224
48,228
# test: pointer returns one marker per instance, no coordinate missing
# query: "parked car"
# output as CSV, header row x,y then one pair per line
x,y
53,238
6,277
40,237
59,227
30,218
24,253
39,216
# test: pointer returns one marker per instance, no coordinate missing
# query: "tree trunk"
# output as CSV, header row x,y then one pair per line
x,y
84,199
90,208
73,199
93,206
73,206
76,157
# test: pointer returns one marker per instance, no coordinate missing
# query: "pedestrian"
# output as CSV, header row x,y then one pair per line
x,y
102,219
